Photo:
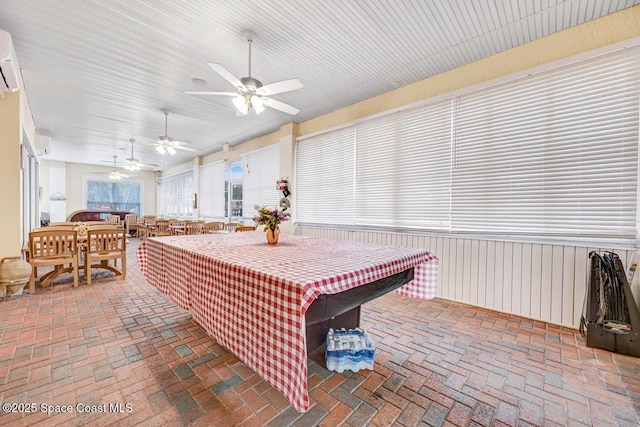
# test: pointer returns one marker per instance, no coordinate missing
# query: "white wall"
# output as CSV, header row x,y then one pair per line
x,y
57,187
10,175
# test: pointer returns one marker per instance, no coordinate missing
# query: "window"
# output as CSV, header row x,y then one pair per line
x,y
403,168
554,153
233,182
212,190
325,178
175,195
260,171
113,195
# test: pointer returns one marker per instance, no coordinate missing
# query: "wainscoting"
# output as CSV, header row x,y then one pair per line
x,y
539,281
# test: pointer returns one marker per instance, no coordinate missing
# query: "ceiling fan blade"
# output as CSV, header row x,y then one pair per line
x,y
280,87
175,142
148,165
285,108
182,147
225,74
147,141
209,92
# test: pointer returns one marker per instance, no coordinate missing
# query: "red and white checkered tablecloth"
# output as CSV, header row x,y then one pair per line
x,y
252,296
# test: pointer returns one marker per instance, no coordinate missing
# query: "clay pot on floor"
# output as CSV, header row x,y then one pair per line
x,y
15,273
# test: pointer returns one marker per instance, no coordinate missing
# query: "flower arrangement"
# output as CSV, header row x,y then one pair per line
x,y
270,217
81,228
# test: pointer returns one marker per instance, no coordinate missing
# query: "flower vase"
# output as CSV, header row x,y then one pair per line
x,y
272,235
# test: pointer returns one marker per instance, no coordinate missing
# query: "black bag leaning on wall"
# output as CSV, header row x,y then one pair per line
x,y
610,318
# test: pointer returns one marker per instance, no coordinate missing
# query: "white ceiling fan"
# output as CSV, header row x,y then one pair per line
x,y
251,92
133,164
115,173
165,144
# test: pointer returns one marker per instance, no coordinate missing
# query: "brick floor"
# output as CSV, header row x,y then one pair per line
x,y
124,345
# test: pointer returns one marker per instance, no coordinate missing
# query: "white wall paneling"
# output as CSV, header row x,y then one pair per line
x,y
541,281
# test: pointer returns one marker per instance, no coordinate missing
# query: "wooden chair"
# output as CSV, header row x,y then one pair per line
x,y
177,227
114,219
160,228
55,248
191,228
212,227
141,228
146,225
131,223
104,226
104,245
230,226
95,222
55,227
244,228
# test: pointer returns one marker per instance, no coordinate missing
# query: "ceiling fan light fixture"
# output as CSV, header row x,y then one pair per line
x,y
257,104
250,90
163,149
241,104
133,167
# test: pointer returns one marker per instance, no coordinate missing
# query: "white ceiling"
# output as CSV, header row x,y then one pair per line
x,y
99,72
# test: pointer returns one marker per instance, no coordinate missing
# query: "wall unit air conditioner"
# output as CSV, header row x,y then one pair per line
x,y
43,145
8,64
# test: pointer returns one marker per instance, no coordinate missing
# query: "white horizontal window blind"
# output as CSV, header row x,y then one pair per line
x,y
554,153
212,186
175,195
403,168
260,171
324,180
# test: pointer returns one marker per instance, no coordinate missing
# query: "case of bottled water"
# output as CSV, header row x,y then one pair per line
x,y
351,349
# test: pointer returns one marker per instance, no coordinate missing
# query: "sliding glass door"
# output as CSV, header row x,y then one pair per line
x,y
30,190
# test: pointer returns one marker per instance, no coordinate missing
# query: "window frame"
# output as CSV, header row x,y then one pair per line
x,y
87,178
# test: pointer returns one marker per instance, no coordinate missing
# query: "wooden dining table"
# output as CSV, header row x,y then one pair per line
x,y
252,297
81,244
47,279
